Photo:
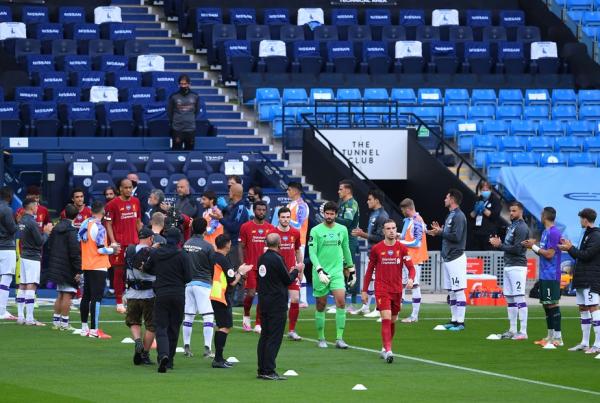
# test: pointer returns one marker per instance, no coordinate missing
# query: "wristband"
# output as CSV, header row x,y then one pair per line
x,y
535,249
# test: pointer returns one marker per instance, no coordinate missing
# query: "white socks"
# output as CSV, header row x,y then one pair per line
x,y
416,302
187,328
5,281
303,299
596,326
56,319
461,305
513,313
21,304
452,305
586,327
29,305
523,312
208,329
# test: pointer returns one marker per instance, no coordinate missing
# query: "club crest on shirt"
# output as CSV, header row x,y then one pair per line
x,y
262,270
390,252
260,231
128,207
284,238
230,273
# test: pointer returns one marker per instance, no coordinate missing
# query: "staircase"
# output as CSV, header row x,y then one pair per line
x,y
229,122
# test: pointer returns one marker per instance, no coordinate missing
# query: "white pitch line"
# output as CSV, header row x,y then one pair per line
x,y
425,361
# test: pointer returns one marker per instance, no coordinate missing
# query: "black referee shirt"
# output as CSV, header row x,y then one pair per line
x,y
273,282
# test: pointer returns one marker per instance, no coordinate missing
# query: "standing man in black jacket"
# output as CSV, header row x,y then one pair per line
x,y
8,254
64,266
197,291
182,109
173,271
273,282
586,279
31,241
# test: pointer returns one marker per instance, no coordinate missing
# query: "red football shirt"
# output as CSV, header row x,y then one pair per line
x,y
290,243
42,218
83,215
387,262
123,215
253,237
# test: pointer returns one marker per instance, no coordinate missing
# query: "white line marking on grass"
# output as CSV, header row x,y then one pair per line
x,y
473,370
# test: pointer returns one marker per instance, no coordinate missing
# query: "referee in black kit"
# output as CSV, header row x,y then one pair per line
x,y
273,282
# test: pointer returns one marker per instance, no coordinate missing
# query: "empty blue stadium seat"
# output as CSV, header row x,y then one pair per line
x,y
53,79
429,114
548,159
64,95
525,159
325,33
591,18
482,113
583,128
341,57
73,63
510,97
34,14
29,94
540,144
592,144
430,96
509,113
5,14
108,63
155,120
41,119
10,121
536,113
38,63
457,96
496,128
87,79
537,97
568,144
242,17
513,144
589,97
583,5
481,145
589,112
495,161
566,97
494,34
564,113
196,161
316,94
466,130
139,96
266,98
291,33
582,160
307,57
455,112
206,17
126,79
444,59
511,58
70,15
528,34
404,96
523,128
294,96
81,119
220,34
482,96
408,57
477,58
118,119
551,128
238,60
376,59
97,47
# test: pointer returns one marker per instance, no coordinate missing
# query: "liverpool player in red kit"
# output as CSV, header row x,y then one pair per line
x,y
123,221
251,246
387,258
290,250
78,199
42,217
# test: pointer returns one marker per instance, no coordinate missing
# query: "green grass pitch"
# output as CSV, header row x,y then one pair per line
x,y
40,364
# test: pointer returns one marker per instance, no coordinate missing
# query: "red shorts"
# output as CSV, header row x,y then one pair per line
x,y
389,301
251,280
117,260
295,286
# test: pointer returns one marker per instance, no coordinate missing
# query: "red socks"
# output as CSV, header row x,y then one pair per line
x,y
386,334
119,283
247,305
293,315
257,314
393,326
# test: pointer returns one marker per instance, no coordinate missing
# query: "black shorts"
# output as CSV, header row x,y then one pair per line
x,y
549,292
223,314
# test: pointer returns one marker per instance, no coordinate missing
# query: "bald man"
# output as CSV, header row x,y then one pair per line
x,y
232,219
141,191
186,203
273,282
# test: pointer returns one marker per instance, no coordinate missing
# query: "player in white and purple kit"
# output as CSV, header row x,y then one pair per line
x,y
549,275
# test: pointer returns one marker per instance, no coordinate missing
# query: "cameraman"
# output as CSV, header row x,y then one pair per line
x,y
155,200
140,296
157,225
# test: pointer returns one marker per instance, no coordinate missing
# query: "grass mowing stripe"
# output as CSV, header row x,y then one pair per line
x,y
467,369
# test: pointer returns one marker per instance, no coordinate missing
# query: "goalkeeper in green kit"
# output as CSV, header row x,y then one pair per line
x,y
332,269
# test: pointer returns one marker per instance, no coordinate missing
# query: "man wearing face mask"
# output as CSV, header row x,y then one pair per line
x,y
485,217
183,108
255,194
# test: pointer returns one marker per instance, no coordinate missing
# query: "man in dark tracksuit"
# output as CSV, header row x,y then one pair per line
x,y
182,109
273,282
586,279
64,266
8,254
173,271
31,242
515,271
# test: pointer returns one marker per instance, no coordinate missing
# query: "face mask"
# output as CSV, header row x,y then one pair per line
x,y
486,194
134,184
251,199
184,90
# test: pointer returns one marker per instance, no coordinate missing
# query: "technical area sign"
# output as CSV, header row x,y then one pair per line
x,y
379,154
